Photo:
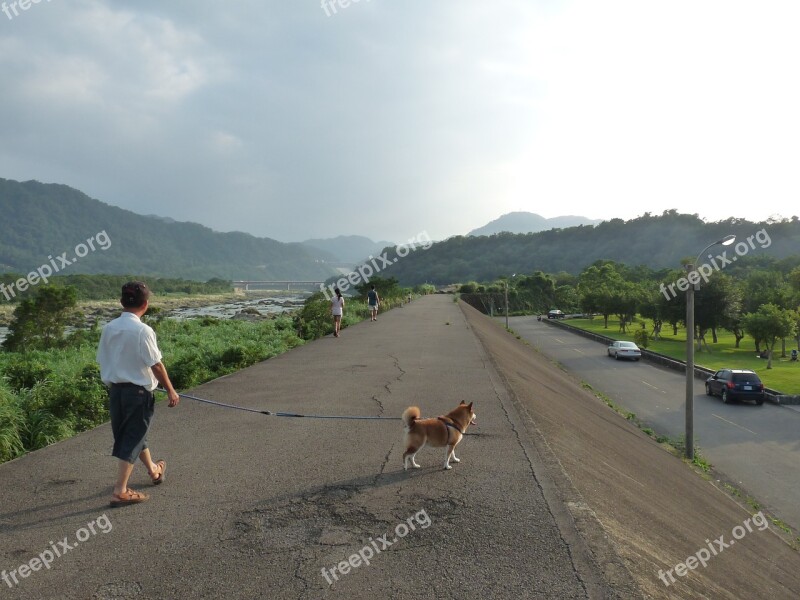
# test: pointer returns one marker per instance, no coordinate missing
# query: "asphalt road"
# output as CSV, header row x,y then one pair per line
x,y
757,448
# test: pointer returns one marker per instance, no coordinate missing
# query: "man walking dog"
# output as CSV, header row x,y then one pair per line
x,y
130,365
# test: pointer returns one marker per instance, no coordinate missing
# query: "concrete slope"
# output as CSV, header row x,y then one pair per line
x,y
256,506
654,509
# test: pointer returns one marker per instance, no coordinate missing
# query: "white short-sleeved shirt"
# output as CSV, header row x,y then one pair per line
x,y
336,306
126,352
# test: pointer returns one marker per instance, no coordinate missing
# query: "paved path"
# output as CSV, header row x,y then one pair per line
x,y
256,506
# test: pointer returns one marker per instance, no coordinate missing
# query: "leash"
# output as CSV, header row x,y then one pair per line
x,y
270,413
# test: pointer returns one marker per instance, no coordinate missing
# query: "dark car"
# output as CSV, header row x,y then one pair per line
x,y
555,314
736,384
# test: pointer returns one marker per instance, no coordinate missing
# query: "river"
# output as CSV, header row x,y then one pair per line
x,y
266,305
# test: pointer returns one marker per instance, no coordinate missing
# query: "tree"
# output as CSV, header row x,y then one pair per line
x,y
386,288
537,292
598,285
717,304
38,322
768,324
625,300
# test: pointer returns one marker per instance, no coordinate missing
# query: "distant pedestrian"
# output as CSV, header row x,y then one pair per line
x,y
373,300
337,310
130,365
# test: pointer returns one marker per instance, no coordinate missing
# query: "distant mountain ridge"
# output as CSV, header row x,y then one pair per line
x,y
658,242
42,220
528,222
348,249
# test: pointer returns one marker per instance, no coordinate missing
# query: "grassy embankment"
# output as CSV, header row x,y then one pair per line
x,y
784,375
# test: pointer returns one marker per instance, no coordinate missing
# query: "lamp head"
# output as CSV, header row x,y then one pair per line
x,y
727,240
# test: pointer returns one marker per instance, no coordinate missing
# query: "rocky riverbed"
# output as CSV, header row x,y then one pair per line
x,y
251,306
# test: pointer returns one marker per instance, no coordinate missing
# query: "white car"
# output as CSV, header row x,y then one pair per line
x,y
624,350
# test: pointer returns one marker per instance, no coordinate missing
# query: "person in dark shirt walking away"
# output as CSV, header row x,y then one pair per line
x,y
374,301
130,365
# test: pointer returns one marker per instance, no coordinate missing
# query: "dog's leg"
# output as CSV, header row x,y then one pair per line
x,y
453,452
411,453
448,451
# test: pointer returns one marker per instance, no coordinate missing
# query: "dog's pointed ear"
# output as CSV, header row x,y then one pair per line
x,y
469,406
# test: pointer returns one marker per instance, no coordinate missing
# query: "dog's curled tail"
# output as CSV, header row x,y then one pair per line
x,y
410,415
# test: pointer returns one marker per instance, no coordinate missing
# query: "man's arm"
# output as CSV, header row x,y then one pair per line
x,y
160,372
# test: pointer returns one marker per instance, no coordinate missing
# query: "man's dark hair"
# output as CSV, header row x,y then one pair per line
x,y
134,294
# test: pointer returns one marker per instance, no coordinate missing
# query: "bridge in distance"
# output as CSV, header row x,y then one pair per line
x,y
276,285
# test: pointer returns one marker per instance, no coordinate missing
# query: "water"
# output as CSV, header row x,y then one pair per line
x,y
267,306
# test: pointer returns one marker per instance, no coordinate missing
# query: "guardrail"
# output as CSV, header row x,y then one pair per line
x,y
702,373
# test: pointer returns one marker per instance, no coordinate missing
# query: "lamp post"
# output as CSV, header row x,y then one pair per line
x,y
694,283
507,300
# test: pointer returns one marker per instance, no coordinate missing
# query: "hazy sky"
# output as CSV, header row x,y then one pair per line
x,y
391,117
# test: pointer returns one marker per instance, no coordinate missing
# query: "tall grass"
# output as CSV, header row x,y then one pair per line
x,y
47,396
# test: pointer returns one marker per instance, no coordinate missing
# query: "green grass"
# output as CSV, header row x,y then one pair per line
x,y
784,375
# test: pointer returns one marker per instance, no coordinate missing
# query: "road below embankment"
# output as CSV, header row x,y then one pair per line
x,y
755,448
655,510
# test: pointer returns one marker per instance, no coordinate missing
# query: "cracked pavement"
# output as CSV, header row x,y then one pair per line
x,y
257,506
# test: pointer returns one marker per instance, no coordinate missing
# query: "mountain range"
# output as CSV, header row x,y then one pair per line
x,y
527,222
52,224
655,241
43,222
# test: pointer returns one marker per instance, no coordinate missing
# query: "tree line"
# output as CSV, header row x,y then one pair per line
x,y
760,298
656,241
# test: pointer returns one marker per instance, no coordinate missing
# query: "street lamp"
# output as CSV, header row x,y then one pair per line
x,y
513,274
694,283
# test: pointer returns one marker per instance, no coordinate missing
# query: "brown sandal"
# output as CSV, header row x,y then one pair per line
x,y
127,497
163,469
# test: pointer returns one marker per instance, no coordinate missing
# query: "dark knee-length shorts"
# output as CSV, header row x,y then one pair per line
x,y
132,409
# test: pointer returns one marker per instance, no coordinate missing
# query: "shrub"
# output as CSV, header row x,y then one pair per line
x,y
641,338
24,373
12,424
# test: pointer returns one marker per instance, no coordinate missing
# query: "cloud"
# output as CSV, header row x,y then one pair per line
x,y
394,117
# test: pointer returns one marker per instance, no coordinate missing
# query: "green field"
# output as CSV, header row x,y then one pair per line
x,y
784,375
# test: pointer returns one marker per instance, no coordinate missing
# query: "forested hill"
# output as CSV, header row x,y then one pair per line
x,y
655,241
40,220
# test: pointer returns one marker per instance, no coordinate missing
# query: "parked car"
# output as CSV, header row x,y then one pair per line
x,y
555,314
736,384
624,350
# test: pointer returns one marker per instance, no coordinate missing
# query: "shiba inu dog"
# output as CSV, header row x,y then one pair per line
x,y
444,431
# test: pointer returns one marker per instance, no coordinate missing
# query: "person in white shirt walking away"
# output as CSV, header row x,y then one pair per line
x,y
130,365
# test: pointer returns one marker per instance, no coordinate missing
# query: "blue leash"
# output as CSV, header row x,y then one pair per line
x,y
270,413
